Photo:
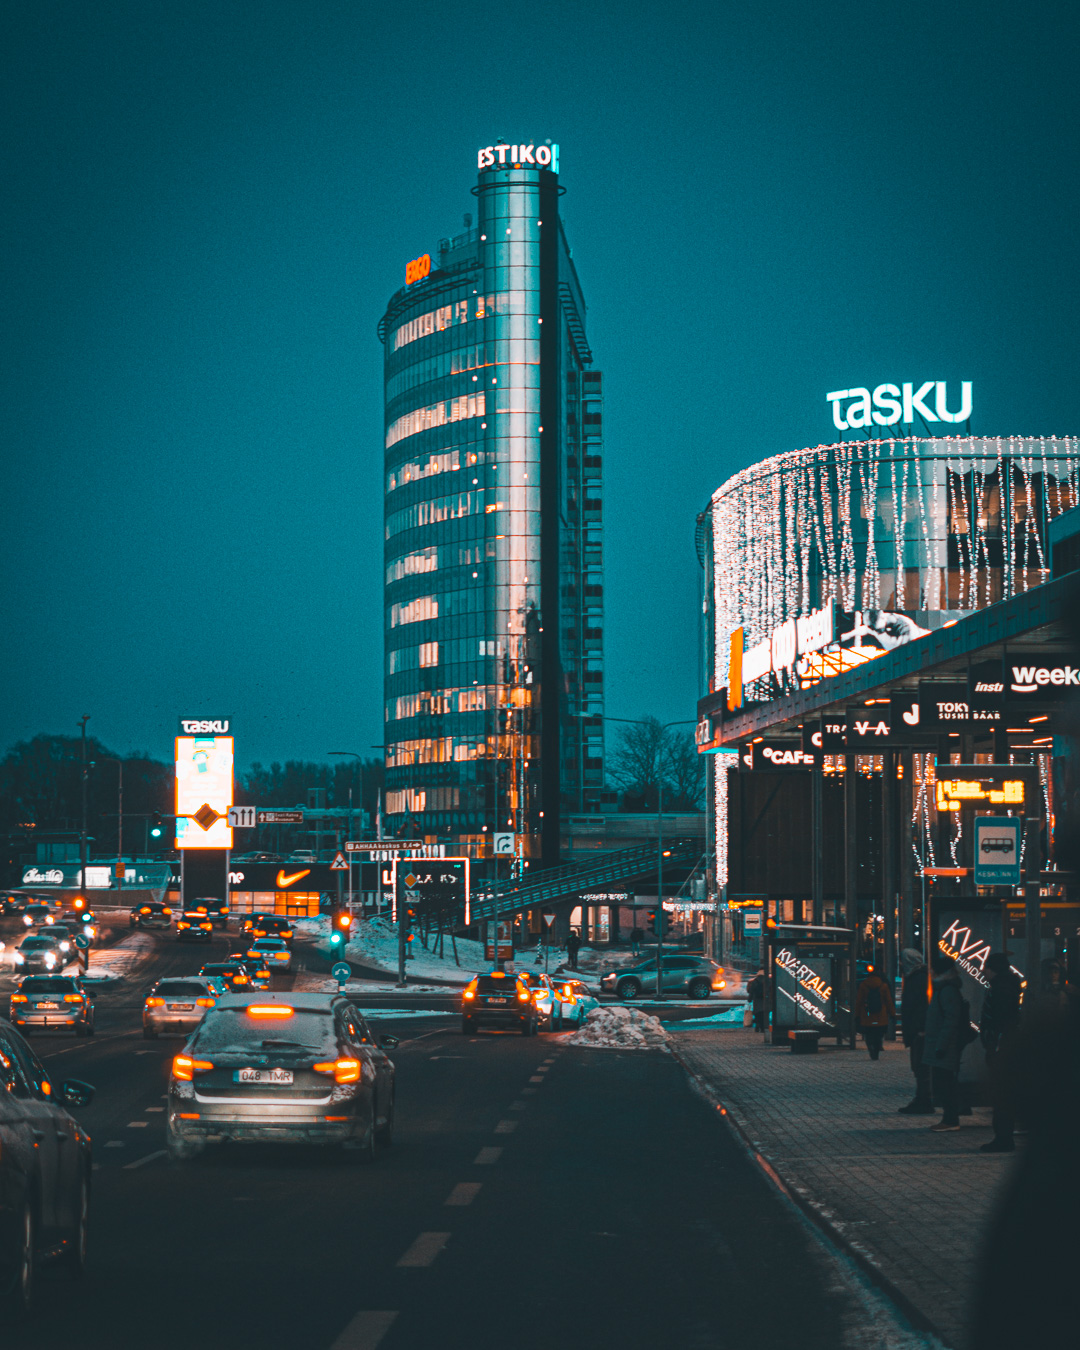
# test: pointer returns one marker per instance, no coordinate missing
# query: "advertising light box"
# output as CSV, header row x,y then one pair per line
x,y
204,791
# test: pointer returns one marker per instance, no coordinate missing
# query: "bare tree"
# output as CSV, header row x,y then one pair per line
x,y
684,779
645,754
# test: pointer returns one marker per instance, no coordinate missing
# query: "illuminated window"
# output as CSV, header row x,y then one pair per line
x,y
437,415
446,462
436,320
415,611
429,653
413,564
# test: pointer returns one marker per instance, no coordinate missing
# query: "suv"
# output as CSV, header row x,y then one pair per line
x,y
38,915
694,976
499,1000
46,1189
154,914
177,1005
543,995
217,911
194,927
38,953
52,1001
292,1068
269,926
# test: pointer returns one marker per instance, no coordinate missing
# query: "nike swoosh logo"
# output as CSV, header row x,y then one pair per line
x,y
283,880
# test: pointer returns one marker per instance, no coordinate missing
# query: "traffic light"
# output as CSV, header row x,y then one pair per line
x,y
410,923
340,929
156,825
659,922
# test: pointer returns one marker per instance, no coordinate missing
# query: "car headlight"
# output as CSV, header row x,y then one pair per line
x,y
65,946
50,960
28,920
19,959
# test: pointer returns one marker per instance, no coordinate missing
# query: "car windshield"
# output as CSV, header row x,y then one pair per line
x,y
218,970
49,984
228,1031
178,987
269,945
37,944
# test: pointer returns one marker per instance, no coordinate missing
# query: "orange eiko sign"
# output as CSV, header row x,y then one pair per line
x,y
734,679
417,269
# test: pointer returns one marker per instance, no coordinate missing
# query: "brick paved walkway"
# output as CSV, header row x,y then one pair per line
x,y
913,1202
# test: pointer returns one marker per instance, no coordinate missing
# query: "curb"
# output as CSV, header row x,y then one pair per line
x,y
809,1210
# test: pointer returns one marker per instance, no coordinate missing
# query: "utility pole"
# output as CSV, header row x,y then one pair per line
x,y
82,834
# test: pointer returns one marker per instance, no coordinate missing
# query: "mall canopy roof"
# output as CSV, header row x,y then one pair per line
x,y
1037,618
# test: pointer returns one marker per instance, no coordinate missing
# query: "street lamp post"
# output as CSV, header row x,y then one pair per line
x,y
359,758
82,834
111,759
639,722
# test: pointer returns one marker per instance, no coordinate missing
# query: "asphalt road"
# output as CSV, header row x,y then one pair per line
x,y
535,1194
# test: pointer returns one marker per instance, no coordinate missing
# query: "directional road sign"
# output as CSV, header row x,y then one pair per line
x,y
341,971
82,941
280,817
383,845
242,817
503,843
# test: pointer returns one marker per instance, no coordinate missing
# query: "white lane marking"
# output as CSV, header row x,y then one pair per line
x,y
115,1143
365,1331
155,1108
537,1078
147,1052
464,1193
424,1250
137,1124
486,1155
506,1127
518,1106
528,1092
141,1162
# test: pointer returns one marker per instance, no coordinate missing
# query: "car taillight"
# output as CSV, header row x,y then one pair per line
x,y
240,979
185,1068
181,924
166,910
73,998
205,1002
523,996
344,1070
18,998
155,1003
468,994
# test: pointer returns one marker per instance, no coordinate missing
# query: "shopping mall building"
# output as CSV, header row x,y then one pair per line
x,y
493,541
877,611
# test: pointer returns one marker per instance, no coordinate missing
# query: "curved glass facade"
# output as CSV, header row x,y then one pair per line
x,y
492,540
927,528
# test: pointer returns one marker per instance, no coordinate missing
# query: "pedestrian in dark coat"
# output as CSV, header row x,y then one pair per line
x,y
947,1022
573,946
874,1010
755,992
637,937
997,1025
914,999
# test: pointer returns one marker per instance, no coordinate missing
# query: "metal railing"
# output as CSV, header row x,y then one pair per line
x,y
564,883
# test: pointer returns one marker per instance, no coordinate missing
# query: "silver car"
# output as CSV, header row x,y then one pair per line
x,y
177,1005
289,1068
38,954
684,973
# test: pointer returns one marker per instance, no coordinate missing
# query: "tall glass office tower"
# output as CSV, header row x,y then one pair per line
x,y
493,547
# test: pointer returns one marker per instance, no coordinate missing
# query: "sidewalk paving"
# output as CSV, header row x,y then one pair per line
x,y
913,1203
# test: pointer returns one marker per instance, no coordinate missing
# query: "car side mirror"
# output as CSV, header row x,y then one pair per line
x,y
74,1092
388,1042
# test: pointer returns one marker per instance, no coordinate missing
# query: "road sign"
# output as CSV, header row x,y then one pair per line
x,y
383,845
340,863
751,921
997,851
242,817
549,918
82,941
341,971
503,843
280,817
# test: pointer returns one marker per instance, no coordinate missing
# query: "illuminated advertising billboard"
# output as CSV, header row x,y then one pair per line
x,y
204,791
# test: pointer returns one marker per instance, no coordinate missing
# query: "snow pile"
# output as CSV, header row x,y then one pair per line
x,y
616,1027
730,1017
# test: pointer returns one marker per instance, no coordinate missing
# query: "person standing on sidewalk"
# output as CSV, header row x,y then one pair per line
x,y
946,1036
573,946
914,998
997,1024
755,992
637,937
874,1010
